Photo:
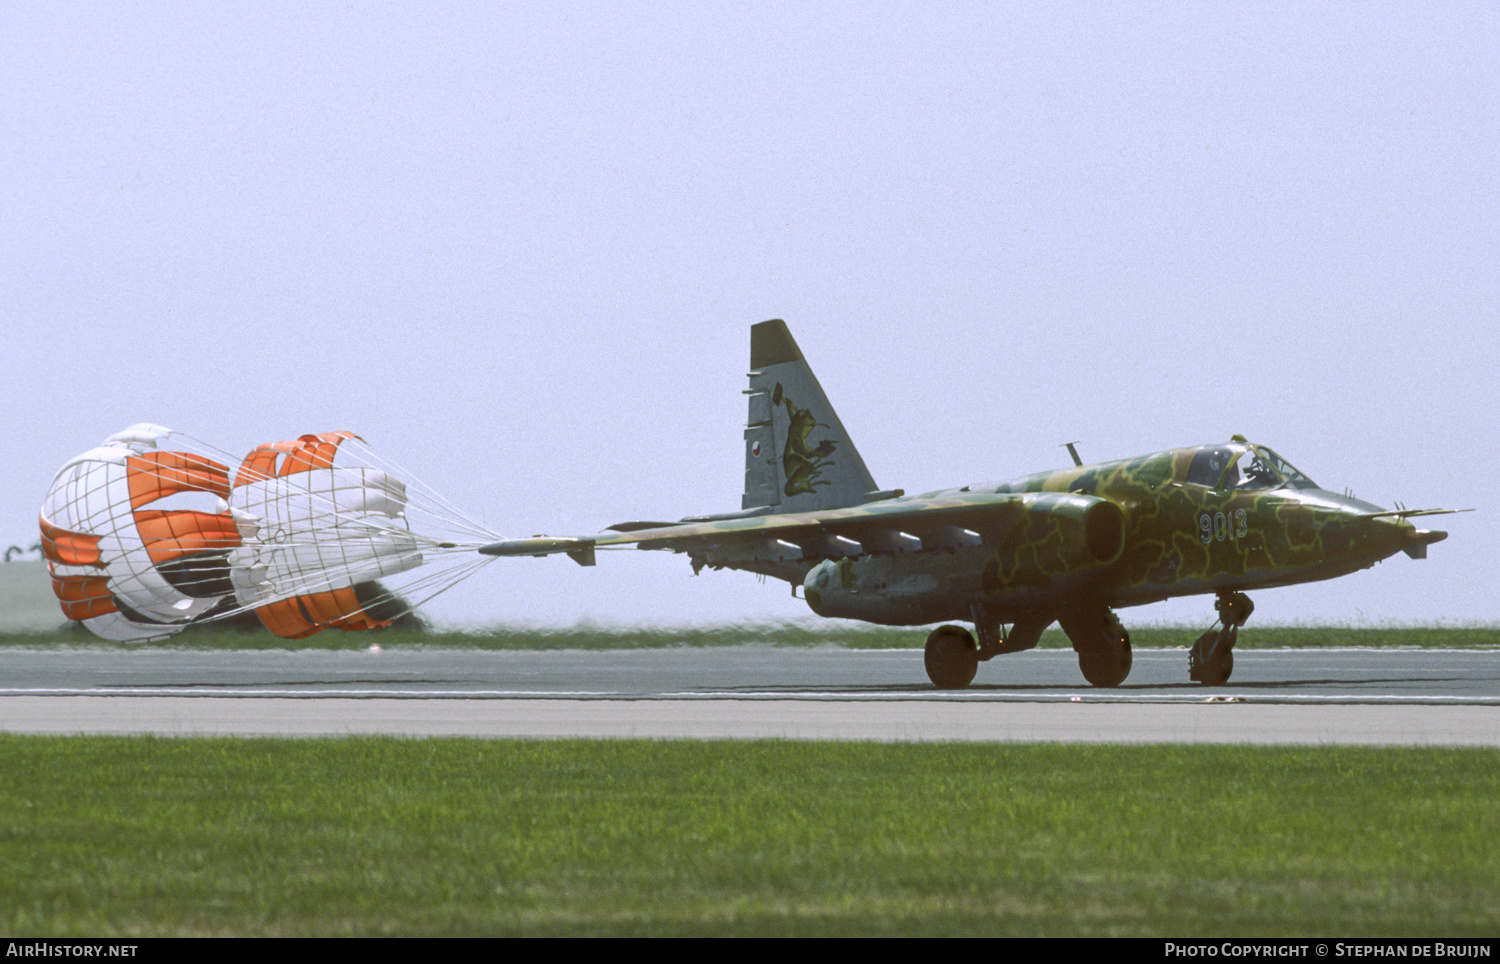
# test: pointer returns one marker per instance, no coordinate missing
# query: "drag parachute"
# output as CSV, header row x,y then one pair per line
x,y
143,540
127,559
308,523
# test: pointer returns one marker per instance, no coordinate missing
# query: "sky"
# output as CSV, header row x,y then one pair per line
x,y
518,248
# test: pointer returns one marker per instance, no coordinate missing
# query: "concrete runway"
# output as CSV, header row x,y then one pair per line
x,y
1395,697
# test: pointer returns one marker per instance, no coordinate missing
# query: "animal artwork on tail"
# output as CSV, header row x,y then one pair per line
x,y
802,464
1069,546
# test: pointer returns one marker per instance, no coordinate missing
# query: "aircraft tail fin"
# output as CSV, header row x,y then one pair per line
x,y
798,458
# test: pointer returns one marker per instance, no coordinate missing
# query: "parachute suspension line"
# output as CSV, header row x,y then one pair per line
x,y
424,507
446,579
440,516
351,447
425,493
468,524
444,563
443,579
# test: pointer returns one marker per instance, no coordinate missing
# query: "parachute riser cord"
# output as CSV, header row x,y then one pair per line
x,y
442,580
449,511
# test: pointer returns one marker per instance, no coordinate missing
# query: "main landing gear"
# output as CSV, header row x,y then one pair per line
x,y
1102,644
1212,658
953,657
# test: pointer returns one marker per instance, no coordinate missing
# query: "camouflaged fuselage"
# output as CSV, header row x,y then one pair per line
x,y
1183,537
1178,537
1209,519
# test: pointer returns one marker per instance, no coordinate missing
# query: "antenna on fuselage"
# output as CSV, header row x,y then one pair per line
x,y
1073,452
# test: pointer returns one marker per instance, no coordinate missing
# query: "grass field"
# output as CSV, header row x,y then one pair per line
x,y
142,836
784,634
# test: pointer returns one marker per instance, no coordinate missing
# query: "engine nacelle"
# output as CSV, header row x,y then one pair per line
x,y
1060,534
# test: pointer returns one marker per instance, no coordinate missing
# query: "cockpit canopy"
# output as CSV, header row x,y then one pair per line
x,y
1241,466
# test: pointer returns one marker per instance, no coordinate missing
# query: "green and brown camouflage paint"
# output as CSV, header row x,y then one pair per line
x,y
1118,533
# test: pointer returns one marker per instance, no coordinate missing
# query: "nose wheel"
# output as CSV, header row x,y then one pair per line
x,y
1211,661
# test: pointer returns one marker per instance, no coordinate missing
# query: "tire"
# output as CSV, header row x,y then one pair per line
x,y
1212,659
1216,672
1102,644
951,658
1108,665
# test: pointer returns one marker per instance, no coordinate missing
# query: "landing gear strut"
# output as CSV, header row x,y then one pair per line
x,y
1212,658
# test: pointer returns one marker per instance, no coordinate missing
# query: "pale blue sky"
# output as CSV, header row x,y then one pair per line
x,y
518,248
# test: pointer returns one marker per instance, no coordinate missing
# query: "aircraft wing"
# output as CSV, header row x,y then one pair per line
x,y
798,540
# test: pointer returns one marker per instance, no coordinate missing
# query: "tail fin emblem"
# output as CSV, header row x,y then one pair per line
x,y
802,465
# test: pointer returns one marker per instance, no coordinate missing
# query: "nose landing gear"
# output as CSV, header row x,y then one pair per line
x,y
1211,660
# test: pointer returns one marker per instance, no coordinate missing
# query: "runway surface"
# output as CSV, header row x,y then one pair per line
x,y
1435,697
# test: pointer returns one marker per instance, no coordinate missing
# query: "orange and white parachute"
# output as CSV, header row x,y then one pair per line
x,y
143,540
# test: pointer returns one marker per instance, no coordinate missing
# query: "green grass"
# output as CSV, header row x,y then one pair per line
x,y
851,636
146,836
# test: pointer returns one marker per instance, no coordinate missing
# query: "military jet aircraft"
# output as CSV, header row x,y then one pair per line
x,y
1069,546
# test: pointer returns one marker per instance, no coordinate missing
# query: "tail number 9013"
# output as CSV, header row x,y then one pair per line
x,y
1218,526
